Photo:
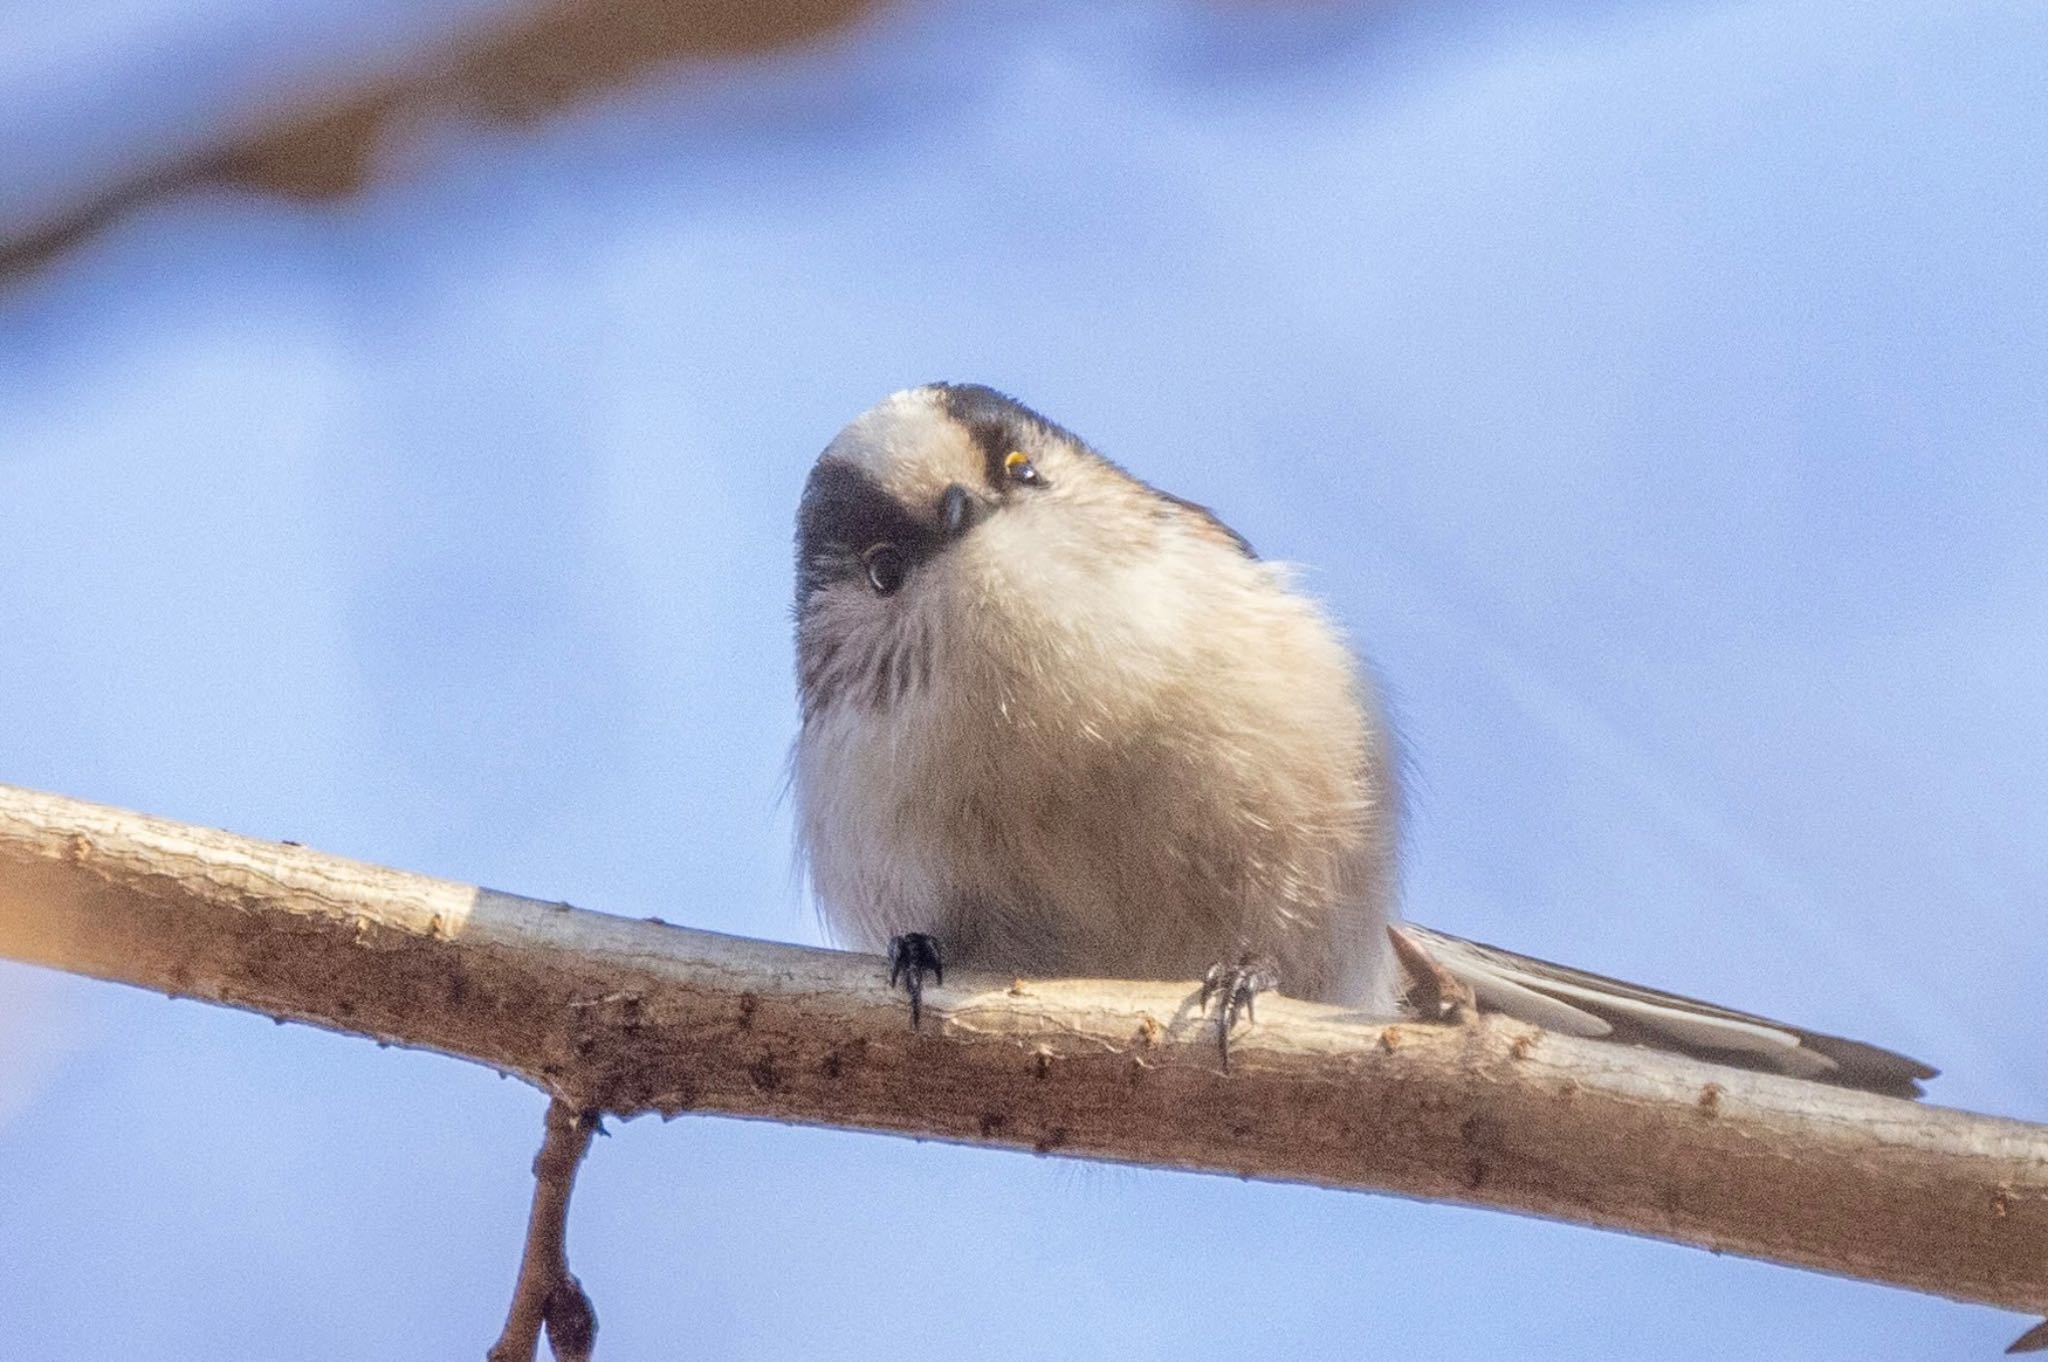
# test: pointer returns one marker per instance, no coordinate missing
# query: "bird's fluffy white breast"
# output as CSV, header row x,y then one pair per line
x,y
1100,765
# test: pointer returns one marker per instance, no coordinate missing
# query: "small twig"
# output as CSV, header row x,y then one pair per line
x,y
2034,1340
548,1294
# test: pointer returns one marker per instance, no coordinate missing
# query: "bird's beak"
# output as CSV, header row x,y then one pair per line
x,y
959,511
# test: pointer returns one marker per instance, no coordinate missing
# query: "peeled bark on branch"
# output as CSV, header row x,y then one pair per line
x,y
626,1016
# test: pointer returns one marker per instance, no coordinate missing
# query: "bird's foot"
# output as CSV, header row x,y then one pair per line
x,y
1235,987
912,956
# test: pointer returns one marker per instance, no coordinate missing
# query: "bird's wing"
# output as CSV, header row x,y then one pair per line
x,y
1576,1003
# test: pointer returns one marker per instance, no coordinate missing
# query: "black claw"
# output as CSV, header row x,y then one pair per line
x,y
911,956
1235,987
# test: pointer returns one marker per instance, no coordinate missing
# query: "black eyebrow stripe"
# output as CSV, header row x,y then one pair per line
x,y
844,512
998,424
995,443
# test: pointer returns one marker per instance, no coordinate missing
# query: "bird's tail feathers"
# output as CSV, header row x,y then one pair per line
x,y
1576,1003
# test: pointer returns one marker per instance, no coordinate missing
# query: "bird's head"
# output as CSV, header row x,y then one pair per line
x,y
952,528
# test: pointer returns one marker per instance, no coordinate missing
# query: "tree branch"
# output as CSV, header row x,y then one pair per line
x,y
548,1292
314,133
632,1016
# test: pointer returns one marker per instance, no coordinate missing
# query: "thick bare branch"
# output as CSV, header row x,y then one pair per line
x,y
632,1016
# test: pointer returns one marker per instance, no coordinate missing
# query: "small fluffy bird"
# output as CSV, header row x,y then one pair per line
x,y
1057,721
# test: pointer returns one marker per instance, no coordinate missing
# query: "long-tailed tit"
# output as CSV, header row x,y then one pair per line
x,y
1058,721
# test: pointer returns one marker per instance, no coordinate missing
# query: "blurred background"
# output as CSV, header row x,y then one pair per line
x,y
402,413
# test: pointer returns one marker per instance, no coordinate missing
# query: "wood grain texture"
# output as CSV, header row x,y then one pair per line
x,y
637,1016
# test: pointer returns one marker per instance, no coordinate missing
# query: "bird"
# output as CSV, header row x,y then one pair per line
x,y
1055,720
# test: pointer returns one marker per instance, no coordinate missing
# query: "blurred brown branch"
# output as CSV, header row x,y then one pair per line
x,y
517,70
624,1016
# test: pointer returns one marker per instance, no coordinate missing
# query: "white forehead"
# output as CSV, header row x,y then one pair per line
x,y
901,431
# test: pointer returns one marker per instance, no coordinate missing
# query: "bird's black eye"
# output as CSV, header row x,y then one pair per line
x,y
886,568
1018,467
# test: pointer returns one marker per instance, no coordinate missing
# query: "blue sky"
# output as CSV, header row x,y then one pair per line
x,y
1652,390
